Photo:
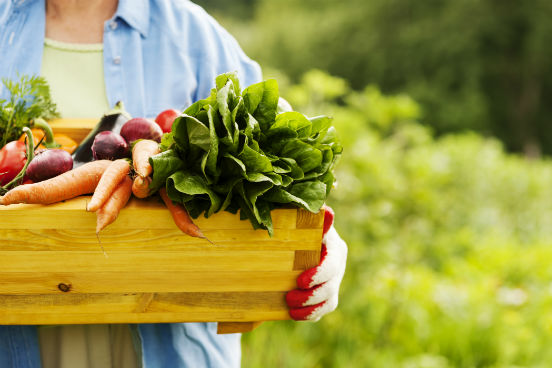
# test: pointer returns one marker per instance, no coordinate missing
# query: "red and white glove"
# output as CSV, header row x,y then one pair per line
x,y
319,286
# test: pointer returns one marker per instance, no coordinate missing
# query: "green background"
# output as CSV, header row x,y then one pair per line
x,y
443,196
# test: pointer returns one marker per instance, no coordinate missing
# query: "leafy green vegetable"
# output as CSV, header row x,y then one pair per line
x,y
234,151
29,98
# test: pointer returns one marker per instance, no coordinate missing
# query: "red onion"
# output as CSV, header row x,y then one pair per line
x,y
141,128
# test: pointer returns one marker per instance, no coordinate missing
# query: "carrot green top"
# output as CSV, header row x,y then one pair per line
x,y
75,75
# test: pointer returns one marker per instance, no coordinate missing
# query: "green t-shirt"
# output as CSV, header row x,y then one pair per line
x,y
76,78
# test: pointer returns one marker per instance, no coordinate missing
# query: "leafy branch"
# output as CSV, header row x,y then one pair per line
x,y
29,98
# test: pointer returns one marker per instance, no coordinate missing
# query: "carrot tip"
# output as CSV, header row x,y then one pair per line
x,y
101,246
206,238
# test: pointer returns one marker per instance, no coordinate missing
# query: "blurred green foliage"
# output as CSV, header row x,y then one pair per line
x,y
478,65
449,246
450,236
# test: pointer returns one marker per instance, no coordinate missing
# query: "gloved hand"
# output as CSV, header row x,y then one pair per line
x,y
319,286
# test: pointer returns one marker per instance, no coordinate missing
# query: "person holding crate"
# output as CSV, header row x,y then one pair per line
x,y
151,54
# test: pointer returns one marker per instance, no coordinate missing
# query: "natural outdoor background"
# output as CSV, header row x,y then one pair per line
x,y
445,184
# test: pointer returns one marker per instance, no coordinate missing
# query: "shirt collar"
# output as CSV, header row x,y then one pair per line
x,y
135,13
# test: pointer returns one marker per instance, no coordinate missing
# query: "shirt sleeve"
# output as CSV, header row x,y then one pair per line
x,y
218,52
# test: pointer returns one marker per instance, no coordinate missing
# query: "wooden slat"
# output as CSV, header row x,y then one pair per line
x,y
157,240
305,259
138,214
309,220
143,302
20,283
164,317
148,240
77,129
236,327
139,261
163,307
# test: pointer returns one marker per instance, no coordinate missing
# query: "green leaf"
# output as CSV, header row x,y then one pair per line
x,y
164,164
320,123
307,156
210,166
295,121
223,100
261,100
194,185
189,131
309,195
223,79
253,160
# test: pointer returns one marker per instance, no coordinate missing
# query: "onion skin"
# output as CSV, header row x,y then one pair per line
x,y
49,163
109,146
141,128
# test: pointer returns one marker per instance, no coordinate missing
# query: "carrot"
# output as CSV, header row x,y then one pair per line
x,y
140,186
111,208
141,152
70,184
112,176
180,216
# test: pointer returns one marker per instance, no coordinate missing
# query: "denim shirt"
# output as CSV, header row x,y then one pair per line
x,y
158,54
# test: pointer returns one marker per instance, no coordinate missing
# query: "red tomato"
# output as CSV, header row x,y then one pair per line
x,y
12,159
166,118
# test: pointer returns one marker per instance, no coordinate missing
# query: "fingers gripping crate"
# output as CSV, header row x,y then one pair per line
x,y
53,268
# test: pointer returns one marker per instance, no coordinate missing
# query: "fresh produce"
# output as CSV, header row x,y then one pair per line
x,y
112,121
140,186
43,132
10,163
82,180
112,176
109,145
48,163
165,119
28,99
180,216
108,213
141,128
12,159
141,152
232,151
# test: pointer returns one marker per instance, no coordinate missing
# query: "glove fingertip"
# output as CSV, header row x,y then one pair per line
x,y
305,279
295,299
304,314
328,218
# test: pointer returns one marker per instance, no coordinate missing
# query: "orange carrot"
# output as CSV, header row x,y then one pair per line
x,y
140,186
141,152
112,176
180,216
70,184
111,208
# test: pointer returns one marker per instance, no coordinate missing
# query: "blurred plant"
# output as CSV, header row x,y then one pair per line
x,y
472,65
449,246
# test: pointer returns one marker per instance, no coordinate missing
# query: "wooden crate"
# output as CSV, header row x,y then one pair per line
x,y
53,269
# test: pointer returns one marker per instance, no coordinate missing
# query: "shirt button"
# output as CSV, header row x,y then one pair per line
x,y
113,24
117,60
